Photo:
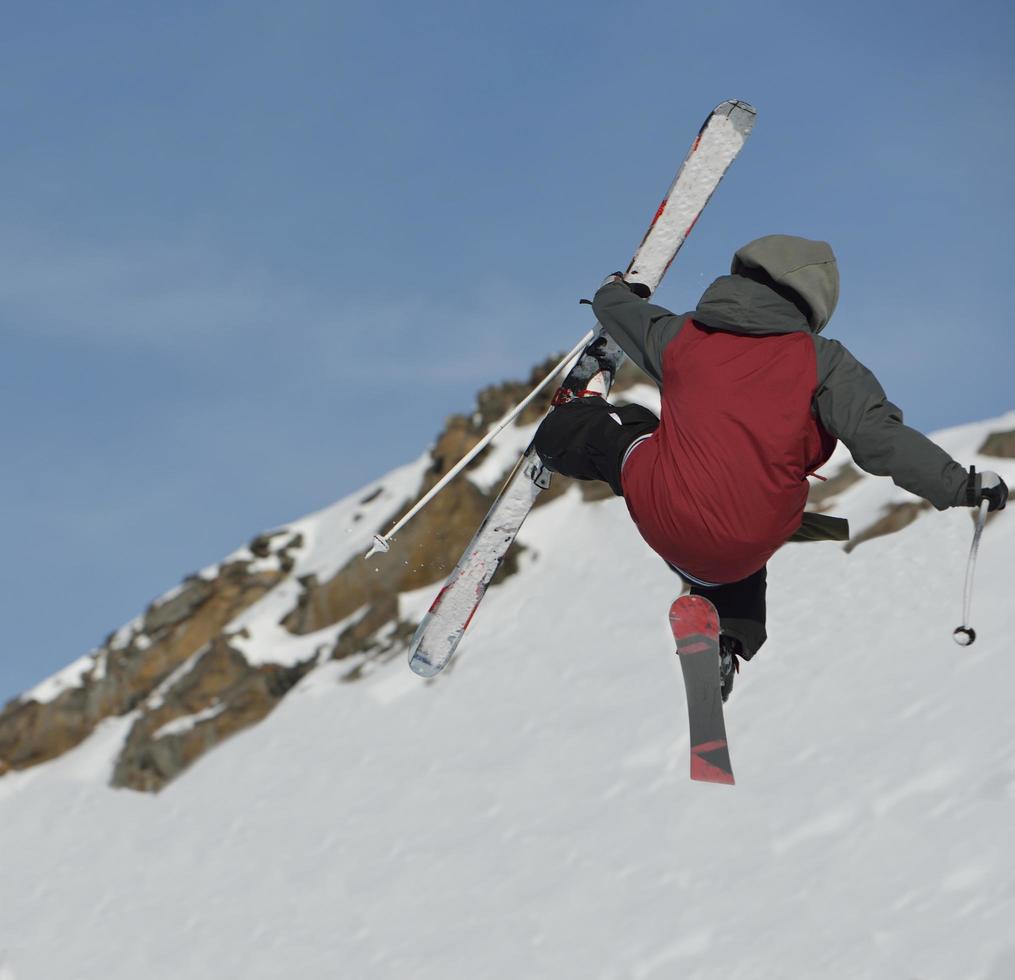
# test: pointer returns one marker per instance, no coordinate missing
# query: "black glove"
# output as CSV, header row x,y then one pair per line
x,y
638,288
986,486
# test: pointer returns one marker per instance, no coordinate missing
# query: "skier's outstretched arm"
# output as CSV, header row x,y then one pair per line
x,y
852,405
640,328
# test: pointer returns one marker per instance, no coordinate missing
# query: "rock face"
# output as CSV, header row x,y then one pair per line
x,y
427,550
177,669
895,519
220,695
1000,444
133,662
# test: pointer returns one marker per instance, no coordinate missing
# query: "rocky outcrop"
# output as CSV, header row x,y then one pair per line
x,y
175,668
218,696
426,551
422,554
1000,444
134,661
894,519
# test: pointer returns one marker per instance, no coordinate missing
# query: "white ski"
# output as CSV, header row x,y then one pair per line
x,y
717,144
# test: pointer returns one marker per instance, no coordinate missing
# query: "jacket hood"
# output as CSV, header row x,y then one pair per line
x,y
779,284
740,305
803,268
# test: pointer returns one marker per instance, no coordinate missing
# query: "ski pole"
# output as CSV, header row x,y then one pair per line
x,y
382,542
965,635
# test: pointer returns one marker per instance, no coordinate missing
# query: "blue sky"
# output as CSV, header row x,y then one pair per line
x,y
253,254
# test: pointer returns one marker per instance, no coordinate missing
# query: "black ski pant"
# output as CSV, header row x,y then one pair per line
x,y
741,608
586,439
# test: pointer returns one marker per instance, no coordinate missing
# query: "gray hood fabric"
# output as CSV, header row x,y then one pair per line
x,y
804,267
742,305
778,284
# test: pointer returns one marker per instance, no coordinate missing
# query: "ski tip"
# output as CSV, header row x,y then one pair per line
x,y
710,763
741,114
731,106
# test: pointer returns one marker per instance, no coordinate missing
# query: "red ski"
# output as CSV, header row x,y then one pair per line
x,y
695,625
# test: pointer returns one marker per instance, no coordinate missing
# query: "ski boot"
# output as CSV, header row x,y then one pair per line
x,y
730,651
593,373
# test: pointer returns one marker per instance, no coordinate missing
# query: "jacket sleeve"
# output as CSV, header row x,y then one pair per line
x,y
641,329
853,407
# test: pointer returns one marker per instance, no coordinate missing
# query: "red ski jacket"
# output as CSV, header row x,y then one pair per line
x,y
723,481
753,400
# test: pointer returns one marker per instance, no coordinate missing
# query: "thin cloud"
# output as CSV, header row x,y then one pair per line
x,y
183,297
157,295
477,336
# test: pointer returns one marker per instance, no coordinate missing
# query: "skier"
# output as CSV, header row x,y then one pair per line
x,y
753,401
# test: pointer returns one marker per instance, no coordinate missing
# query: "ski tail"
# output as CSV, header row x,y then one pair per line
x,y
439,633
695,625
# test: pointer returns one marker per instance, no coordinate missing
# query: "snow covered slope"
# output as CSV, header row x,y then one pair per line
x,y
529,814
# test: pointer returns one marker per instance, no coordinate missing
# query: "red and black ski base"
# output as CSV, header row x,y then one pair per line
x,y
695,625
